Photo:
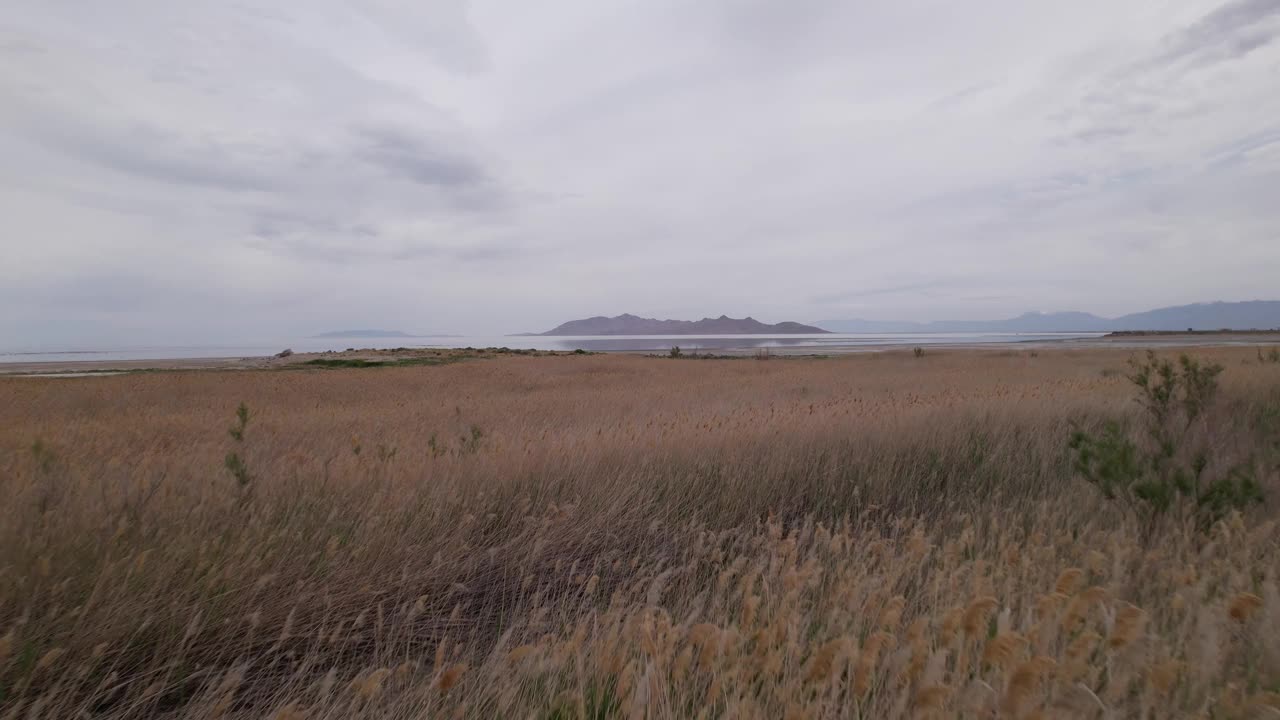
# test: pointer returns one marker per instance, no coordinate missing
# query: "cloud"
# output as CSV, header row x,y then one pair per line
x,y
440,28
499,168
926,288
1231,31
1094,134
1174,82
1261,146
154,154
961,96
416,160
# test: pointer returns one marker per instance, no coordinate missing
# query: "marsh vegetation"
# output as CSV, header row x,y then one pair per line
x,y
873,536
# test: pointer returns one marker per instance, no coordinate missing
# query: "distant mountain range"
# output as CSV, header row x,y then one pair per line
x,y
1252,315
627,324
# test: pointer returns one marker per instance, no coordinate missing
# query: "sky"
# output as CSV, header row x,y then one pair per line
x,y
201,171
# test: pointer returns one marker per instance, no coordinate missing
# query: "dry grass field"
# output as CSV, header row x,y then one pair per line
x,y
871,536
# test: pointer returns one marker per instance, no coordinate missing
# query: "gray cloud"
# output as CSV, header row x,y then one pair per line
x,y
1241,150
1231,31
1166,85
500,168
157,155
411,157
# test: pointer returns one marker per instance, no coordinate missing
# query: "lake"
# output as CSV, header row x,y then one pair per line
x,y
831,343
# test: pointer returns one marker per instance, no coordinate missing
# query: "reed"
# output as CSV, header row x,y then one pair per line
x,y
607,536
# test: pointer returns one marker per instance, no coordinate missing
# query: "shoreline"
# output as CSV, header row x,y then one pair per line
x,y
400,356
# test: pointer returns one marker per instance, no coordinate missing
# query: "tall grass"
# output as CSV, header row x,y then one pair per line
x,y
618,537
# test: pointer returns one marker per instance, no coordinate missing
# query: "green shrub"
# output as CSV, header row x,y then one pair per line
x,y
435,448
1166,466
242,421
234,462
43,455
470,444
238,469
344,363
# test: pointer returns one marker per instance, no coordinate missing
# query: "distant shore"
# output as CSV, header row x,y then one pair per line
x,y
1191,333
370,357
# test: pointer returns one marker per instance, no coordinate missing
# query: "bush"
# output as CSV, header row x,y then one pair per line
x,y
344,363
234,462
675,352
1167,466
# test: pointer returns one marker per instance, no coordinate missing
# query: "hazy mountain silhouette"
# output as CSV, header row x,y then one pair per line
x,y
627,324
1251,315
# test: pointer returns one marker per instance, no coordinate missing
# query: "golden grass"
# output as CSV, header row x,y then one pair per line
x,y
608,536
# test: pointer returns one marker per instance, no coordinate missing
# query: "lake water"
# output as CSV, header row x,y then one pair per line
x,y
835,342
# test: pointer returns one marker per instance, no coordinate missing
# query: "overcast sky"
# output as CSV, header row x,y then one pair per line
x,y
181,171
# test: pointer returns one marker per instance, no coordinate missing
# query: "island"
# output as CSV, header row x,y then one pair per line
x,y
627,324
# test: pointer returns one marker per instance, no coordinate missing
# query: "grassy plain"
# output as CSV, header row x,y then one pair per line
x,y
869,536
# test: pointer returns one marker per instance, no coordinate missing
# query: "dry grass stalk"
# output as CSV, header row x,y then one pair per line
x,y
616,537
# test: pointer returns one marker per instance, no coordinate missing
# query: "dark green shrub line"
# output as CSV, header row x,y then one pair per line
x,y
362,363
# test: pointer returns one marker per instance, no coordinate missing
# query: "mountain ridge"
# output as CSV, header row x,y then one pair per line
x,y
628,324
1247,315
